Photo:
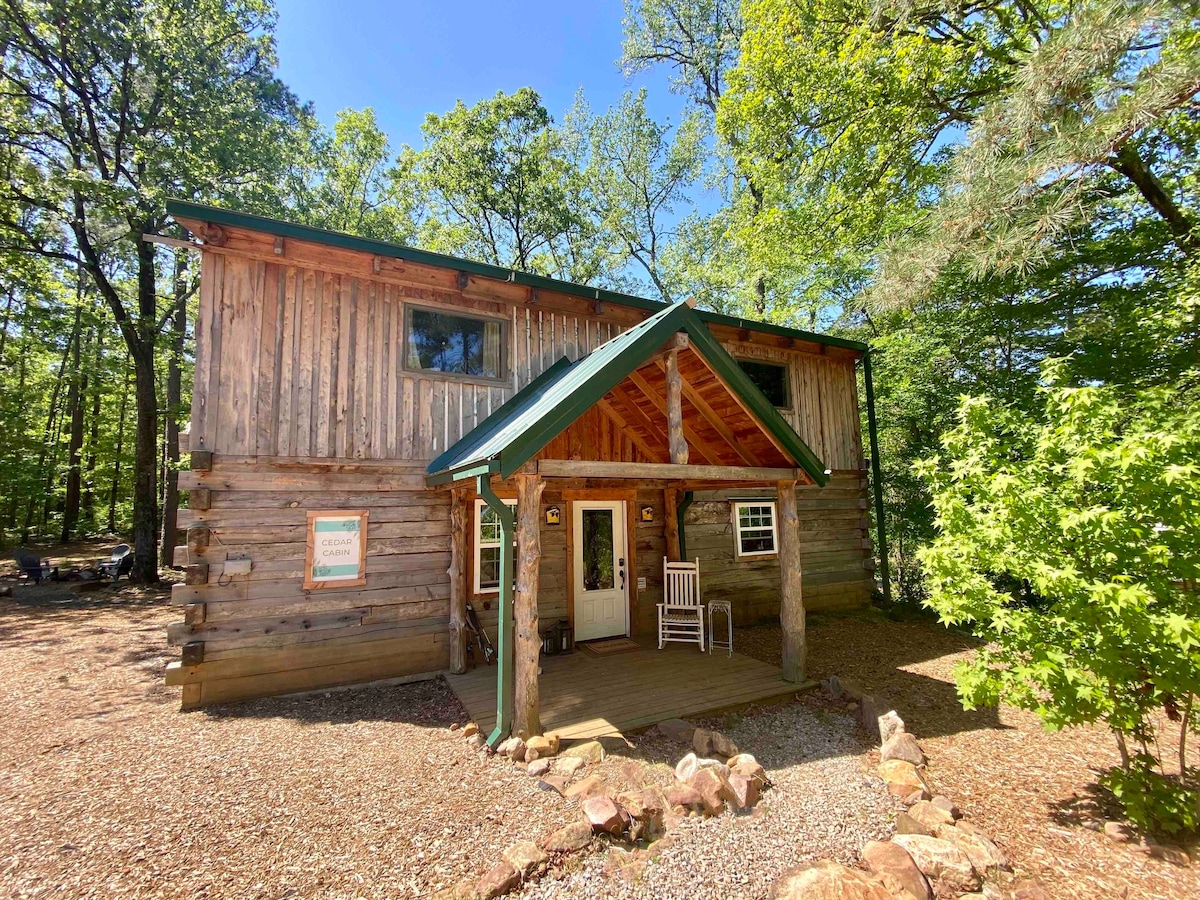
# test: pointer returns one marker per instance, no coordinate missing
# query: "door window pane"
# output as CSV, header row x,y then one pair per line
x,y
459,345
598,550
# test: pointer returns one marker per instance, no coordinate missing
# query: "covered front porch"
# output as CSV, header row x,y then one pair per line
x,y
585,696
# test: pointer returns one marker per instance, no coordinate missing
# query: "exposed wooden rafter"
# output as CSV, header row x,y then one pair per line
x,y
715,421
660,404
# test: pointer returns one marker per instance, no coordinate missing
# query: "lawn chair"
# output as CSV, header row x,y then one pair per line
x,y
681,615
33,567
118,564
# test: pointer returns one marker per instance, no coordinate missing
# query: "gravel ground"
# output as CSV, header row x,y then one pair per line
x,y
1034,791
825,803
106,790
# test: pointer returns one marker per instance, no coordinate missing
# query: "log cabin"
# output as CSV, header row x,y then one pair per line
x,y
380,436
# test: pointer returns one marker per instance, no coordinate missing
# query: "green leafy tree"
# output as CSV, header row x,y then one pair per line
x,y
1073,547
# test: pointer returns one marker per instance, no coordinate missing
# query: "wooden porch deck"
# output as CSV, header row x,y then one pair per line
x,y
584,696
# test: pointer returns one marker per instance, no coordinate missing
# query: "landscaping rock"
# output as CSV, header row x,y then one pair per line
x,y
531,754
916,797
754,772
477,740
646,809
573,837
940,860
723,746
687,767
1028,890
513,748
567,766
902,777
740,758
605,815
676,730
827,880
890,724
555,783
713,789
929,815
841,687
538,767
526,856
745,791
544,745
469,729
502,878
591,786
1118,831
943,802
591,752
702,742
686,796
869,710
985,856
892,865
1172,854
902,745
906,824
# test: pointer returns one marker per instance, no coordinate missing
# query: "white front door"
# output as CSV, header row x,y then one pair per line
x,y
601,576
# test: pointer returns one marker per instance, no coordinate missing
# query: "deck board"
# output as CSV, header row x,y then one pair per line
x,y
584,696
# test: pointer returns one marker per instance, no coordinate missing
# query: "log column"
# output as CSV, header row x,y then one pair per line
x,y
671,523
460,521
678,442
528,643
791,608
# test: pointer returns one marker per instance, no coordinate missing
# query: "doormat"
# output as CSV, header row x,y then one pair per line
x,y
609,646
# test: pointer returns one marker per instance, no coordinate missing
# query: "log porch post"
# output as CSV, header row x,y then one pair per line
x,y
459,522
678,441
528,644
791,608
671,523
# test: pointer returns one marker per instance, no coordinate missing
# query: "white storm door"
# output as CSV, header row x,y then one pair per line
x,y
601,575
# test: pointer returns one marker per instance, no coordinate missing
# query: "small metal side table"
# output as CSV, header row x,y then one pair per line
x,y
726,607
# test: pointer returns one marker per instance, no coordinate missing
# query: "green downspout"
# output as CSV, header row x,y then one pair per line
x,y
877,479
682,508
504,625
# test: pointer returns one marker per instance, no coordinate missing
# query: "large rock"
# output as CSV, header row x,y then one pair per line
x,y
543,744
513,748
844,688
691,764
526,856
568,839
501,879
469,729
902,777
646,808
555,783
827,880
985,856
723,746
892,865
686,796
605,815
941,861
902,745
890,724
538,767
567,766
591,786
745,790
870,708
929,815
676,730
591,751
713,789
753,771
702,742
941,801
906,824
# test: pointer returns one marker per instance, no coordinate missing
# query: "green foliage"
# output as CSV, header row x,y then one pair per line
x,y
1153,801
1071,543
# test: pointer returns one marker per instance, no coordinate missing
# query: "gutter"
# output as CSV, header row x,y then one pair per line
x,y
877,480
504,624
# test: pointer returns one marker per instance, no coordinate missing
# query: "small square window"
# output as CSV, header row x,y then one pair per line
x,y
771,379
454,344
487,547
755,525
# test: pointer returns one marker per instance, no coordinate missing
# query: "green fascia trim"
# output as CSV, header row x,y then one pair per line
x,y
739,382
471,470
482,432
189,210
505,686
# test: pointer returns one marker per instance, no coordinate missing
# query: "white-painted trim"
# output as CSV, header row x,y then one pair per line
x,y
479,505
737,528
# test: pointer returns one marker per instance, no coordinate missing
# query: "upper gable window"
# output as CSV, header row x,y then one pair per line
x,y
771,379
454,343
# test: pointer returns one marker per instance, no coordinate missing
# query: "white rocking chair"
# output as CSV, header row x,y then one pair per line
x,y
681,615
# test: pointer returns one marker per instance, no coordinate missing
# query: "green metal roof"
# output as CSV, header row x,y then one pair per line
x,y
534,416
186,209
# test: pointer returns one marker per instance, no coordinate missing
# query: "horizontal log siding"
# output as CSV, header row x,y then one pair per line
x,y
835,550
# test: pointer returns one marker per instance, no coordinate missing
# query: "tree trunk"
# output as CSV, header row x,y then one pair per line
x,y
791,610
170,493
76,395
89,483
145,453
460,520
528,643
120,449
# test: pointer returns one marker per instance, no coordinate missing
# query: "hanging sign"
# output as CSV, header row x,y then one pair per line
x,y
337,549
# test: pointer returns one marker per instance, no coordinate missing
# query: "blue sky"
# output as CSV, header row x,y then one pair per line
x,y
406,59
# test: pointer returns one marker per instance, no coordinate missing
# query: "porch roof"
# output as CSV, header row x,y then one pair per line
x,y
534,416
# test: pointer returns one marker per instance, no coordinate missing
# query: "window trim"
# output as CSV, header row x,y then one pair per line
x,y
737,529
505,330
479,544
787,377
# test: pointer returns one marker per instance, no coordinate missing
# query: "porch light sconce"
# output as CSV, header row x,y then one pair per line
x,y
647,513
553,515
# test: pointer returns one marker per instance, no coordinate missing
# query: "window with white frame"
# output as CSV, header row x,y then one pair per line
x,y
487,547
754,521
